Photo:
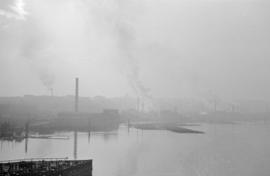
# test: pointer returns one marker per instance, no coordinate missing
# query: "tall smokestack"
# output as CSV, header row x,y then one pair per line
x,y
76,94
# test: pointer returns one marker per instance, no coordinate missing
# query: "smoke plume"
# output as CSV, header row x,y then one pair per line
x,y
125,30
37,49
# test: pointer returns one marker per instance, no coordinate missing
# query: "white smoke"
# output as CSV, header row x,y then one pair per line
x,y
16,10
125,30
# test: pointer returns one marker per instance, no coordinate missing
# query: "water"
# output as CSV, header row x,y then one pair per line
x,y
239,149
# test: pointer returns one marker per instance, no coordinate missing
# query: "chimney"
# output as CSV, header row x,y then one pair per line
x,y
76,94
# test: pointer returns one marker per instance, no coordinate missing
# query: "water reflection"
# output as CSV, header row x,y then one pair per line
x,y
26,145
106,136
89,135
75,144
232,149
26,136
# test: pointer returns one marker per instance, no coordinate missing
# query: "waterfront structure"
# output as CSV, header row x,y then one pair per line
x,y
46,167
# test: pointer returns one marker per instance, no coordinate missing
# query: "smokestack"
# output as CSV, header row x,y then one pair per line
x,y
76,94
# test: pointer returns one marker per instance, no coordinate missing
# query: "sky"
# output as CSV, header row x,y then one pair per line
x,y
150,48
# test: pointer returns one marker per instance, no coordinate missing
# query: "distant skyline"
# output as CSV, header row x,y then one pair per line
x,y
164,48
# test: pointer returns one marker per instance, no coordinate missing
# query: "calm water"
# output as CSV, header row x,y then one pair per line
x,y
242,150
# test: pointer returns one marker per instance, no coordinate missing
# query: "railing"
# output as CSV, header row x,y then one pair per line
x,y
33,159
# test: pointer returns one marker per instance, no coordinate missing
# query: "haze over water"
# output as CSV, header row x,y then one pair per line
x,y
187,61
232,149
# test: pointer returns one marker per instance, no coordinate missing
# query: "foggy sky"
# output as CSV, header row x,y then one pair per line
x,y
187,48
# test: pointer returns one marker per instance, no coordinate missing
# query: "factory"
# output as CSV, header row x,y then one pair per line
x,y
107,120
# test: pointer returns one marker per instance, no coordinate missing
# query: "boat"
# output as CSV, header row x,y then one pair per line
x,y
46,167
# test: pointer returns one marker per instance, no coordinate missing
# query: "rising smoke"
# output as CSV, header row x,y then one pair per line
x,y
32,41
38,52
47,78
117,19
124,28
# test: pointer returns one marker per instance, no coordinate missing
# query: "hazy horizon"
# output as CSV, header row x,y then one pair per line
x,y
196,48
